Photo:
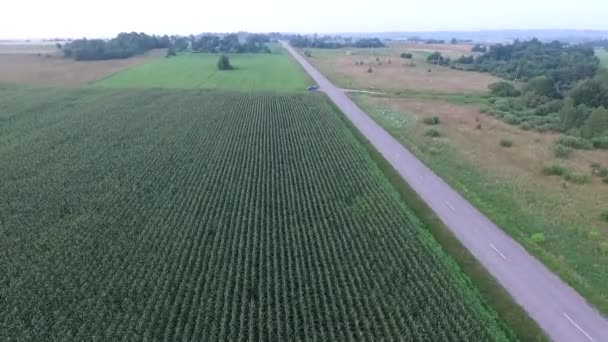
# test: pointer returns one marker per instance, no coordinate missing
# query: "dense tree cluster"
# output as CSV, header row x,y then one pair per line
x,y
231,43
438,59
331,42
124,45
571,97
528,59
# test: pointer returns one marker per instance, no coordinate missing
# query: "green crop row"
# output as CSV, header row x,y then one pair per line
x,y
188,215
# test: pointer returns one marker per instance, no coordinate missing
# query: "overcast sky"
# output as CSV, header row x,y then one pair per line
x,y
104,18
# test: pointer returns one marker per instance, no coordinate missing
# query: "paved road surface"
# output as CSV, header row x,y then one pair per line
x,y
560,311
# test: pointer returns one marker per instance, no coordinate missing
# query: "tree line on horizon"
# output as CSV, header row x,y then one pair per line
x,y
126,45
333,42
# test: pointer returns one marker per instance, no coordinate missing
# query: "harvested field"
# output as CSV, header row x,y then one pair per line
x,y
400,75
33,69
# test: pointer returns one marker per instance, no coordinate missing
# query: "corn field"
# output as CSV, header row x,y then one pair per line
x,y
199,216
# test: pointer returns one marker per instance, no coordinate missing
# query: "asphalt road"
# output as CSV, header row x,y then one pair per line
x,y
559,310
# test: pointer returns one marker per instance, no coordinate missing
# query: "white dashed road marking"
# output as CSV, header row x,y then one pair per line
x,y
497,251
451,206
577,327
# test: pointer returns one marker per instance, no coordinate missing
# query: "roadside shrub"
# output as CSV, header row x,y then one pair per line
x,y
575,142
506,142
223,63
538,238
604,215
561,151
370,70
554,170
406,55
576,178
431,132
605,180
593,235
600,143
503,89
307,53
602,172
433,120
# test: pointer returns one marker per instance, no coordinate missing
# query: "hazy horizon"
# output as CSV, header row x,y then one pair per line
x,y
31,19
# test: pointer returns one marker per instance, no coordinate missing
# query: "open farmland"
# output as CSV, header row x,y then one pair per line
x,y
170,215
21,67
393,74
253,72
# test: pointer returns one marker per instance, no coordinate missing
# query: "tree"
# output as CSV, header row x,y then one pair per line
x,y
504,89
437,58
223,63
170,52
597,123
542,86
572,115
593,92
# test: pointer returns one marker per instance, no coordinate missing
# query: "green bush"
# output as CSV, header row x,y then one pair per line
x,y
605,180
575,142
506,142
596,124
593,235
511,119
504,89
406,55
604,215
576,178
526,126
554,170
433,120
431,132
502,105
604,247
561,151
602,172
600,143
538,238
